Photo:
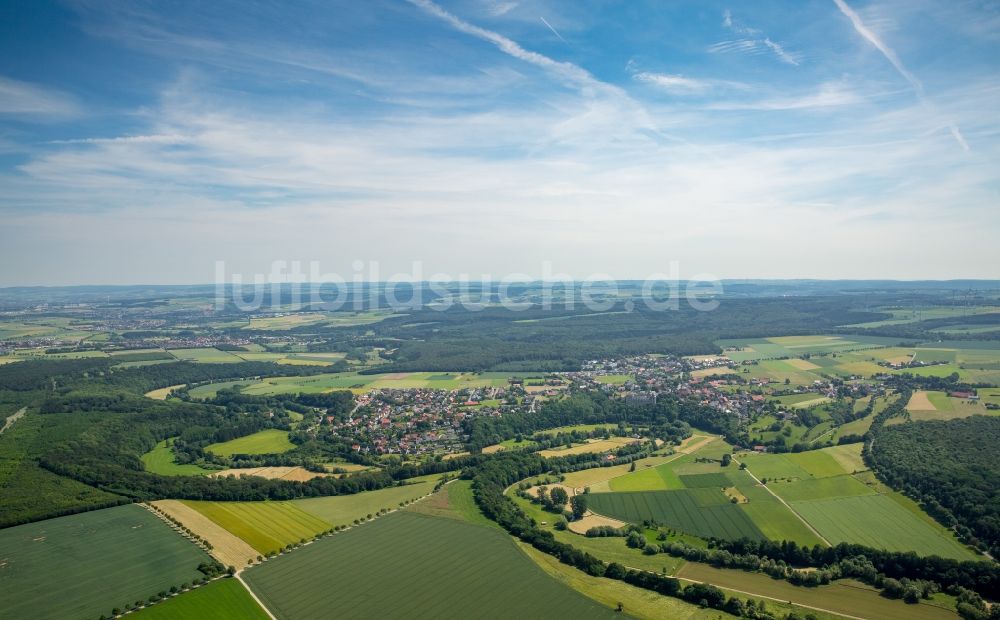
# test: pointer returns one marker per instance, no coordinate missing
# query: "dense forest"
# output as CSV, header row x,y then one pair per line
x,y
952,468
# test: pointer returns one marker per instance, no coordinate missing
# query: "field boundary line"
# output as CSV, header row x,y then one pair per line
x,y
786,505
771,598
254,596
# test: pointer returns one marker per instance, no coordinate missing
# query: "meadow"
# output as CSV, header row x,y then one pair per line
x,y
268,441
86,564
223,599
265,526
409,565
160,460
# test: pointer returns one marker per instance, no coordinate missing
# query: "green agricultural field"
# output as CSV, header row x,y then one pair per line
x,y
702,512
848,456
160,460
223,599
819,488
84,565
265,526
774,519
204,356
773,466
344,509
269,441
650,479
817,463
878,521
408,565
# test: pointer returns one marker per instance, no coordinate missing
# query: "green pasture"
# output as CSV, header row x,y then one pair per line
x,y
268,441
160,460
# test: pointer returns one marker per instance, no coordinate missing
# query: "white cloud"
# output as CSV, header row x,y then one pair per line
x,y
21,99
829,95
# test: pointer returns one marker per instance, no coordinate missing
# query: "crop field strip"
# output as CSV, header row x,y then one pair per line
x,y
92,562
265,526
409,565
690,510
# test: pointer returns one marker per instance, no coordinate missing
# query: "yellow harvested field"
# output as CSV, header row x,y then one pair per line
x,y
296,474
226,548
920,402
591,520
162,393
801,364
592,445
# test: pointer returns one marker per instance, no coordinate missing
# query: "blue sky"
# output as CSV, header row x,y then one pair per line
x,y
143,141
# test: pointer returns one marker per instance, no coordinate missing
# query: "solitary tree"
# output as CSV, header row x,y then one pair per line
x,y
559,497
579,505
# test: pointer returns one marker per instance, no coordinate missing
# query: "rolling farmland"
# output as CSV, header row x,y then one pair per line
x,y
94,561
409,565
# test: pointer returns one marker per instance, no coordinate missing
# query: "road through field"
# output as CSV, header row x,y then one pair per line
x,y
797,515
267,611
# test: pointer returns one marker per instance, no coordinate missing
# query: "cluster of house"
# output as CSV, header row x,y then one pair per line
x,y
420,421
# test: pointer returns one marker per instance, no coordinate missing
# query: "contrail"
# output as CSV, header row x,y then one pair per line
x,y
554,31
891,56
